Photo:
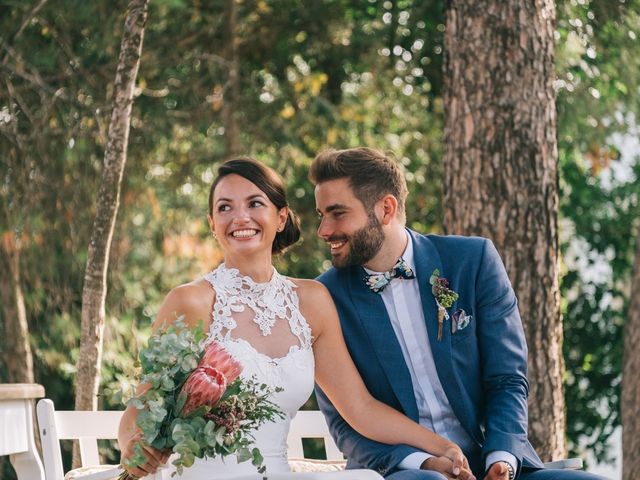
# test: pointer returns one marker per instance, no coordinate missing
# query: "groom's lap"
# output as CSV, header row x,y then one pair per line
x,y
416,475
548,474
544,474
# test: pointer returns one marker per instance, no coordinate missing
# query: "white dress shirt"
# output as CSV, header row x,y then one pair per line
x,y
402,300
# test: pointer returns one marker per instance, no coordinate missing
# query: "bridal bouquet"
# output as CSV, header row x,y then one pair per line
x,y
196,405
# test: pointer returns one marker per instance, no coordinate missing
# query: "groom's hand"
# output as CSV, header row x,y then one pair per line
x,y
497,471
445,466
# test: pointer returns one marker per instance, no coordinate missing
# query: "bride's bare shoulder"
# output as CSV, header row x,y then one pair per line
x,y
311,291
192,290
315,301
193,301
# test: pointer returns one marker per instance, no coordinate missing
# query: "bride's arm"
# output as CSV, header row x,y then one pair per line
x,y
339,379
192,301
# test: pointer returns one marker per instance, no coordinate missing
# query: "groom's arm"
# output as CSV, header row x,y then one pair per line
x,y
369,454
503,353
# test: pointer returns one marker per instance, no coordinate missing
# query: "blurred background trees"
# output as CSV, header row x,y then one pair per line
x,y
287,78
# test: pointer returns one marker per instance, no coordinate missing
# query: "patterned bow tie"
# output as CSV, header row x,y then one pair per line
x,y
378,281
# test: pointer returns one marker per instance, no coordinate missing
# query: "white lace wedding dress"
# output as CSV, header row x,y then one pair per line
x,y
260,324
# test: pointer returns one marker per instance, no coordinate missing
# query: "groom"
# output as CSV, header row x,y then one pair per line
x,y
431,323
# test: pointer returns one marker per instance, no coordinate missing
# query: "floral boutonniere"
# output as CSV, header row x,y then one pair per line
x,y
445,297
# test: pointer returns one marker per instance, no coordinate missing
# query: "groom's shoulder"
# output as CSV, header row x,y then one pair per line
x,y
330,276
335,279
454,251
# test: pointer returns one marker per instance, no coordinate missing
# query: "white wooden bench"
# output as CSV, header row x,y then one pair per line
x,y
89,427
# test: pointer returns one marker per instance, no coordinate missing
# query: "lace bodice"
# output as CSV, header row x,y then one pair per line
x,y
268,302
260,324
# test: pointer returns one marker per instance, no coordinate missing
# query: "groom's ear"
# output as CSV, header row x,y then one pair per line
x,y
389,205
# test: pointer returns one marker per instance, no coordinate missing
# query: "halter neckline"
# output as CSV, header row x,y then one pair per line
x,y
248,279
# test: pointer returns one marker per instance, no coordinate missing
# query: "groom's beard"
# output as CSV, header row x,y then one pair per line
x,y
363,244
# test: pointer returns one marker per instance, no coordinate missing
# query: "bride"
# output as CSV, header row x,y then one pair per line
x,y
282,330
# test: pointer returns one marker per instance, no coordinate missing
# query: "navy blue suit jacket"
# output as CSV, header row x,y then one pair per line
x,y
482,368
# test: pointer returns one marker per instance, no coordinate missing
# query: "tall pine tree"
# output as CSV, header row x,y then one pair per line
x,y
501,176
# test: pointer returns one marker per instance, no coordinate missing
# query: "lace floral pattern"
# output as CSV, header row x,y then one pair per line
x,y
270,301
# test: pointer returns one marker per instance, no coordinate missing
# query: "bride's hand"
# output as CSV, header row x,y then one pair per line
x,y
457,458
154,457
444,465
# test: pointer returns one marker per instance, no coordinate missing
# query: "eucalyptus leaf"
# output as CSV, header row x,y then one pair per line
x,y
257,458
244,454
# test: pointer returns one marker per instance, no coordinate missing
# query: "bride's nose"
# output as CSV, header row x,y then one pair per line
x,y
242,216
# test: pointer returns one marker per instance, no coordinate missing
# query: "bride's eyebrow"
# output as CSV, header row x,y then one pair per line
x,y
250,197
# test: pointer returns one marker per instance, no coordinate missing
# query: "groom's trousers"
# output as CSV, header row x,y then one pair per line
x,y
543,474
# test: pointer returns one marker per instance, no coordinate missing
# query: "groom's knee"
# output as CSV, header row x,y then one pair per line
x,y
548,474
416,475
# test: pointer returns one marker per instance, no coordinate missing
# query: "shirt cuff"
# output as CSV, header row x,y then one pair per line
x,y
499,456
414,461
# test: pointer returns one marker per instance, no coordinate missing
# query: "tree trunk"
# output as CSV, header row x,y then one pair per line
x,y
230,99
17,357
95,289
630,401
501,174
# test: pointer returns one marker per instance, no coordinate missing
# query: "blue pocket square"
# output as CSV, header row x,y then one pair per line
x,y
460,320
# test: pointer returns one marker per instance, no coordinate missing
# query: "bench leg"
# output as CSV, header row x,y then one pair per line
x,y
27,464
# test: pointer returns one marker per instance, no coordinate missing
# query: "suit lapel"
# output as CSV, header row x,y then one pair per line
x,y
375,321
427,259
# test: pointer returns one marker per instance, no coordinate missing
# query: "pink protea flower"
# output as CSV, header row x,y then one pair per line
x,y
217,357
204,386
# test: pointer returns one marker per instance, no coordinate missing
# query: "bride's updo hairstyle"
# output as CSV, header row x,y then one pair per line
x,y
267,180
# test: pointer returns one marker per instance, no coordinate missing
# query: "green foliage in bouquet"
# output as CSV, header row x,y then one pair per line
x,y
196,405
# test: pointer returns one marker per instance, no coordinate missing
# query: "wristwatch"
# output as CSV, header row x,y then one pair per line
x,y
512,473
510,470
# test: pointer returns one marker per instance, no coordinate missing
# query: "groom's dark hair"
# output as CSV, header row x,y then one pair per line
x,y
371,173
